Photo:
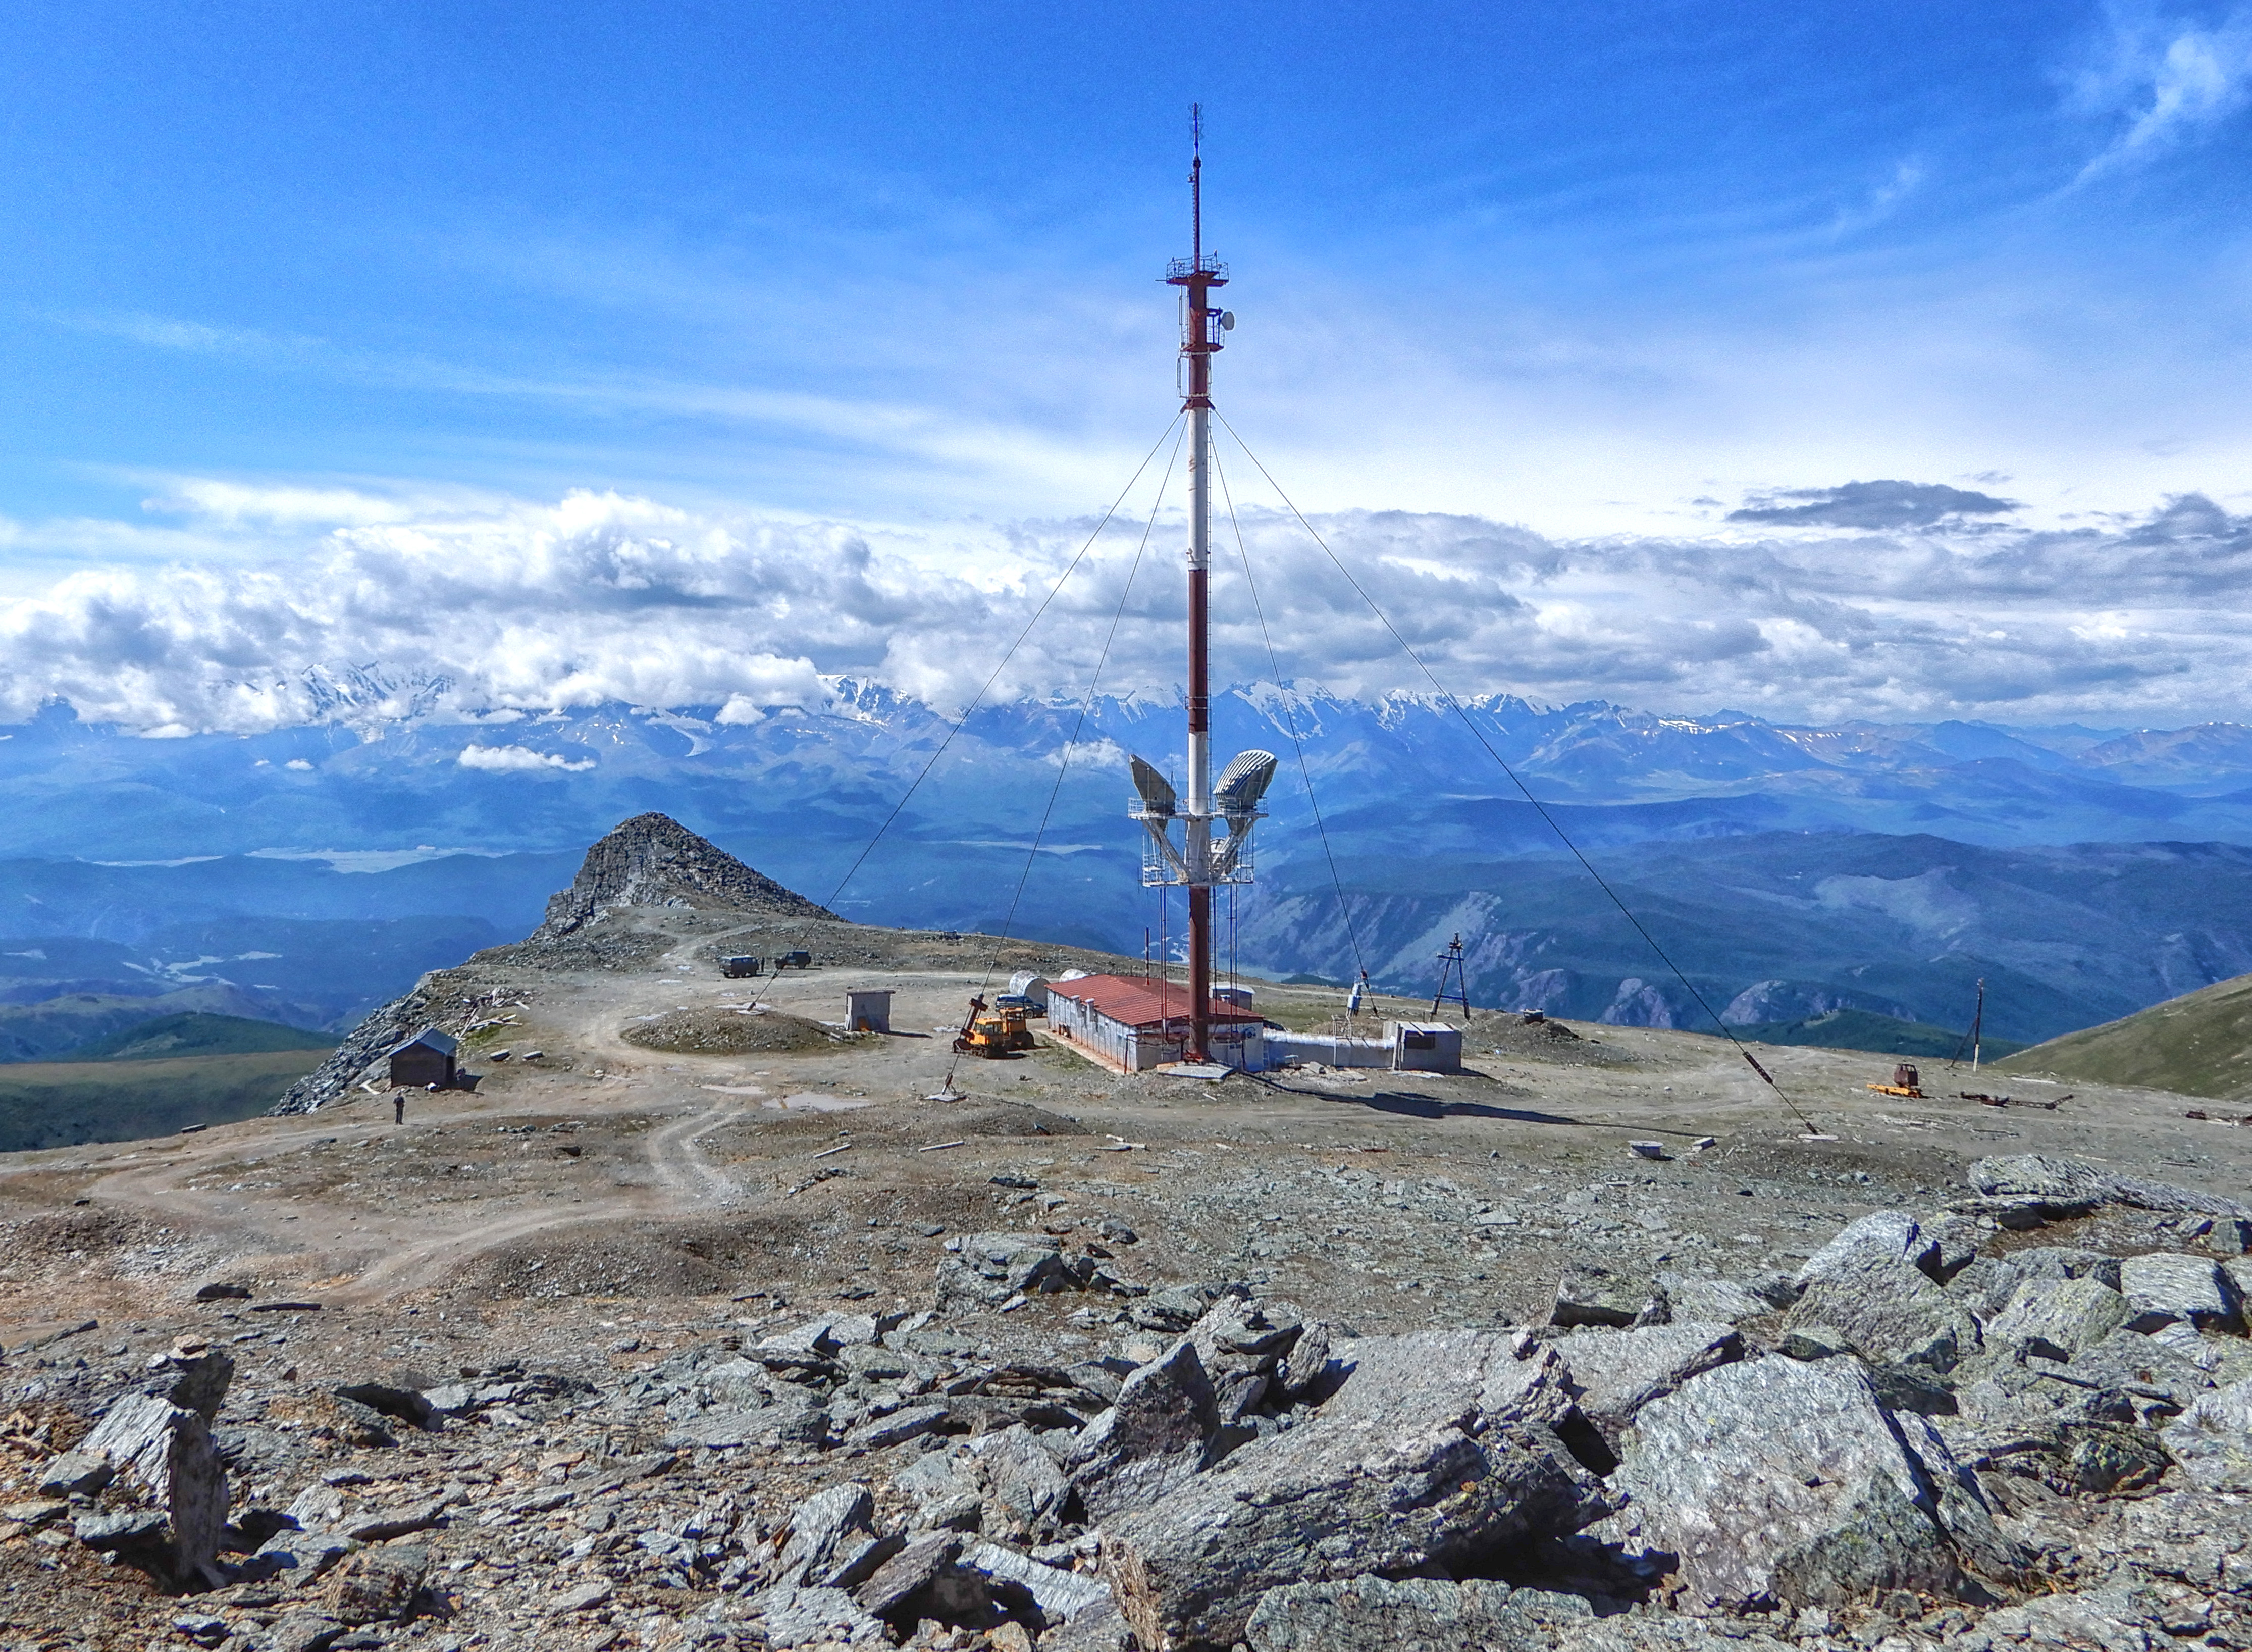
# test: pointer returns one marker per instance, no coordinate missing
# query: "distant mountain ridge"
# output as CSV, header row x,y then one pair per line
x,y
194,858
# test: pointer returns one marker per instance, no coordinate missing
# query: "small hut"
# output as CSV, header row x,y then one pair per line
x,y
868,1009
427,1058
1425,1047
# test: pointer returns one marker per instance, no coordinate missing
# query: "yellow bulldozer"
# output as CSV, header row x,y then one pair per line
x,y
1905,1081
994,1033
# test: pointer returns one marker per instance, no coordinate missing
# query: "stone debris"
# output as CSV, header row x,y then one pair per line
x,y
1933,1431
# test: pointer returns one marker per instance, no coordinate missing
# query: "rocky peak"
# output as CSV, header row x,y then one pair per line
x,y
654,861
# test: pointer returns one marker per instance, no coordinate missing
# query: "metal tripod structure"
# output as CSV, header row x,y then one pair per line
x,y
1453,967
1200,860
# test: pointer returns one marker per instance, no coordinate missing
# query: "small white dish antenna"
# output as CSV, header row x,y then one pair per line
x,y
1227,321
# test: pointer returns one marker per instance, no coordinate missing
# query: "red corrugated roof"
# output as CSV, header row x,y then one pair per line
x,y
1139,1002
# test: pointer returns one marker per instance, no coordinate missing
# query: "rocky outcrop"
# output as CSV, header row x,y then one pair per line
x,y
1779,1482
654,861
1440,1447
650,861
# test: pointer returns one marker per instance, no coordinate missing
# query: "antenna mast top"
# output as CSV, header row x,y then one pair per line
x,y
1196,184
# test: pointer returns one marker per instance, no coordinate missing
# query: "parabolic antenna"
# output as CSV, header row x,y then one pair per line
x,y
1244,781
1157,790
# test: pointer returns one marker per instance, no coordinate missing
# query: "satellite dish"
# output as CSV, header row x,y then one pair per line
x,y
1156,791
1227,321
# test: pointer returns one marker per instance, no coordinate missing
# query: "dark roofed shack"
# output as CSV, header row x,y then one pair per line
x,y
427,1058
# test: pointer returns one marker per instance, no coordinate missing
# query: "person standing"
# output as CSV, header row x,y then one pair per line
x,y
398,1107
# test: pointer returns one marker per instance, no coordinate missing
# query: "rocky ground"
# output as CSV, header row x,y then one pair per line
x,y
753,1343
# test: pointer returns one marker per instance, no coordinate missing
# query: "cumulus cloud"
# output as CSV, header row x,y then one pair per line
x,y
517,760
1881,600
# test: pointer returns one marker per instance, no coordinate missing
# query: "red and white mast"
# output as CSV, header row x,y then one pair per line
x,y
1199,343
1200,860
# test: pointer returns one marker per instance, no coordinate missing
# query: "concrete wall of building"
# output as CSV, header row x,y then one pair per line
x,y
1330,1051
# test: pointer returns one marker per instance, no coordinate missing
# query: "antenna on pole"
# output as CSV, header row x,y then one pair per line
x,y
1196,185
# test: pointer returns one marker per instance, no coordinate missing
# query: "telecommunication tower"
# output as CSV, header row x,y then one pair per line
x,y
1198,861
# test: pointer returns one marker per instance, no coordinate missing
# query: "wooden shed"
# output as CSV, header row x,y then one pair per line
x,y
427,1058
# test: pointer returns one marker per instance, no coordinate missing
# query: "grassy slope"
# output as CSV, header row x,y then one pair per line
x,y
196,1034
1859,1029
2200,1044
62,1104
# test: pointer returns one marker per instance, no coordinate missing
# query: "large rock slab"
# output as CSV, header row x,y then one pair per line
x,y
1440,1446
1893,1234
1151,1440
1026,1488
1703,1300
1591,1294
2168,1287
1613,1374
797,1616
992,1267
1889,1308
1374,1614
169,1449
1776,1482
2069,1186
2212,1440
828,1523
2055,1319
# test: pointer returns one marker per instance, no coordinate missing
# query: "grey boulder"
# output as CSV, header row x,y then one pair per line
x,y
2212,1440
1153,1438
1591,1294
1777,1481
2168,1287
2055,1319
992,1267
1375,1615
1439,1445
1613,1374
1895,1235
1889,1308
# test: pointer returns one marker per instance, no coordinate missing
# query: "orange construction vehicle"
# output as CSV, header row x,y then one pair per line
x,y
994,1033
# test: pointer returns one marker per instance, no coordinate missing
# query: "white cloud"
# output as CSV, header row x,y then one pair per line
x,y
517,760
496,616
2163,82
300,764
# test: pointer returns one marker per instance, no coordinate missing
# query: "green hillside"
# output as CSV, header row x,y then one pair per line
x,y
63,1104
197,1033
2200,1044
1881,1035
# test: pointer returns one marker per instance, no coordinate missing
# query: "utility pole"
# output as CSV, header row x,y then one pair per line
x,y
1198,276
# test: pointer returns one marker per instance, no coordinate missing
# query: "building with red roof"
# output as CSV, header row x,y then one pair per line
x,y
1133,1023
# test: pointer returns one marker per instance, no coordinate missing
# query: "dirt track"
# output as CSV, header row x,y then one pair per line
x,y
1360,1194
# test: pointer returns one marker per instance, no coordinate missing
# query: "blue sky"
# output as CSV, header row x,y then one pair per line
x,y
271,270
